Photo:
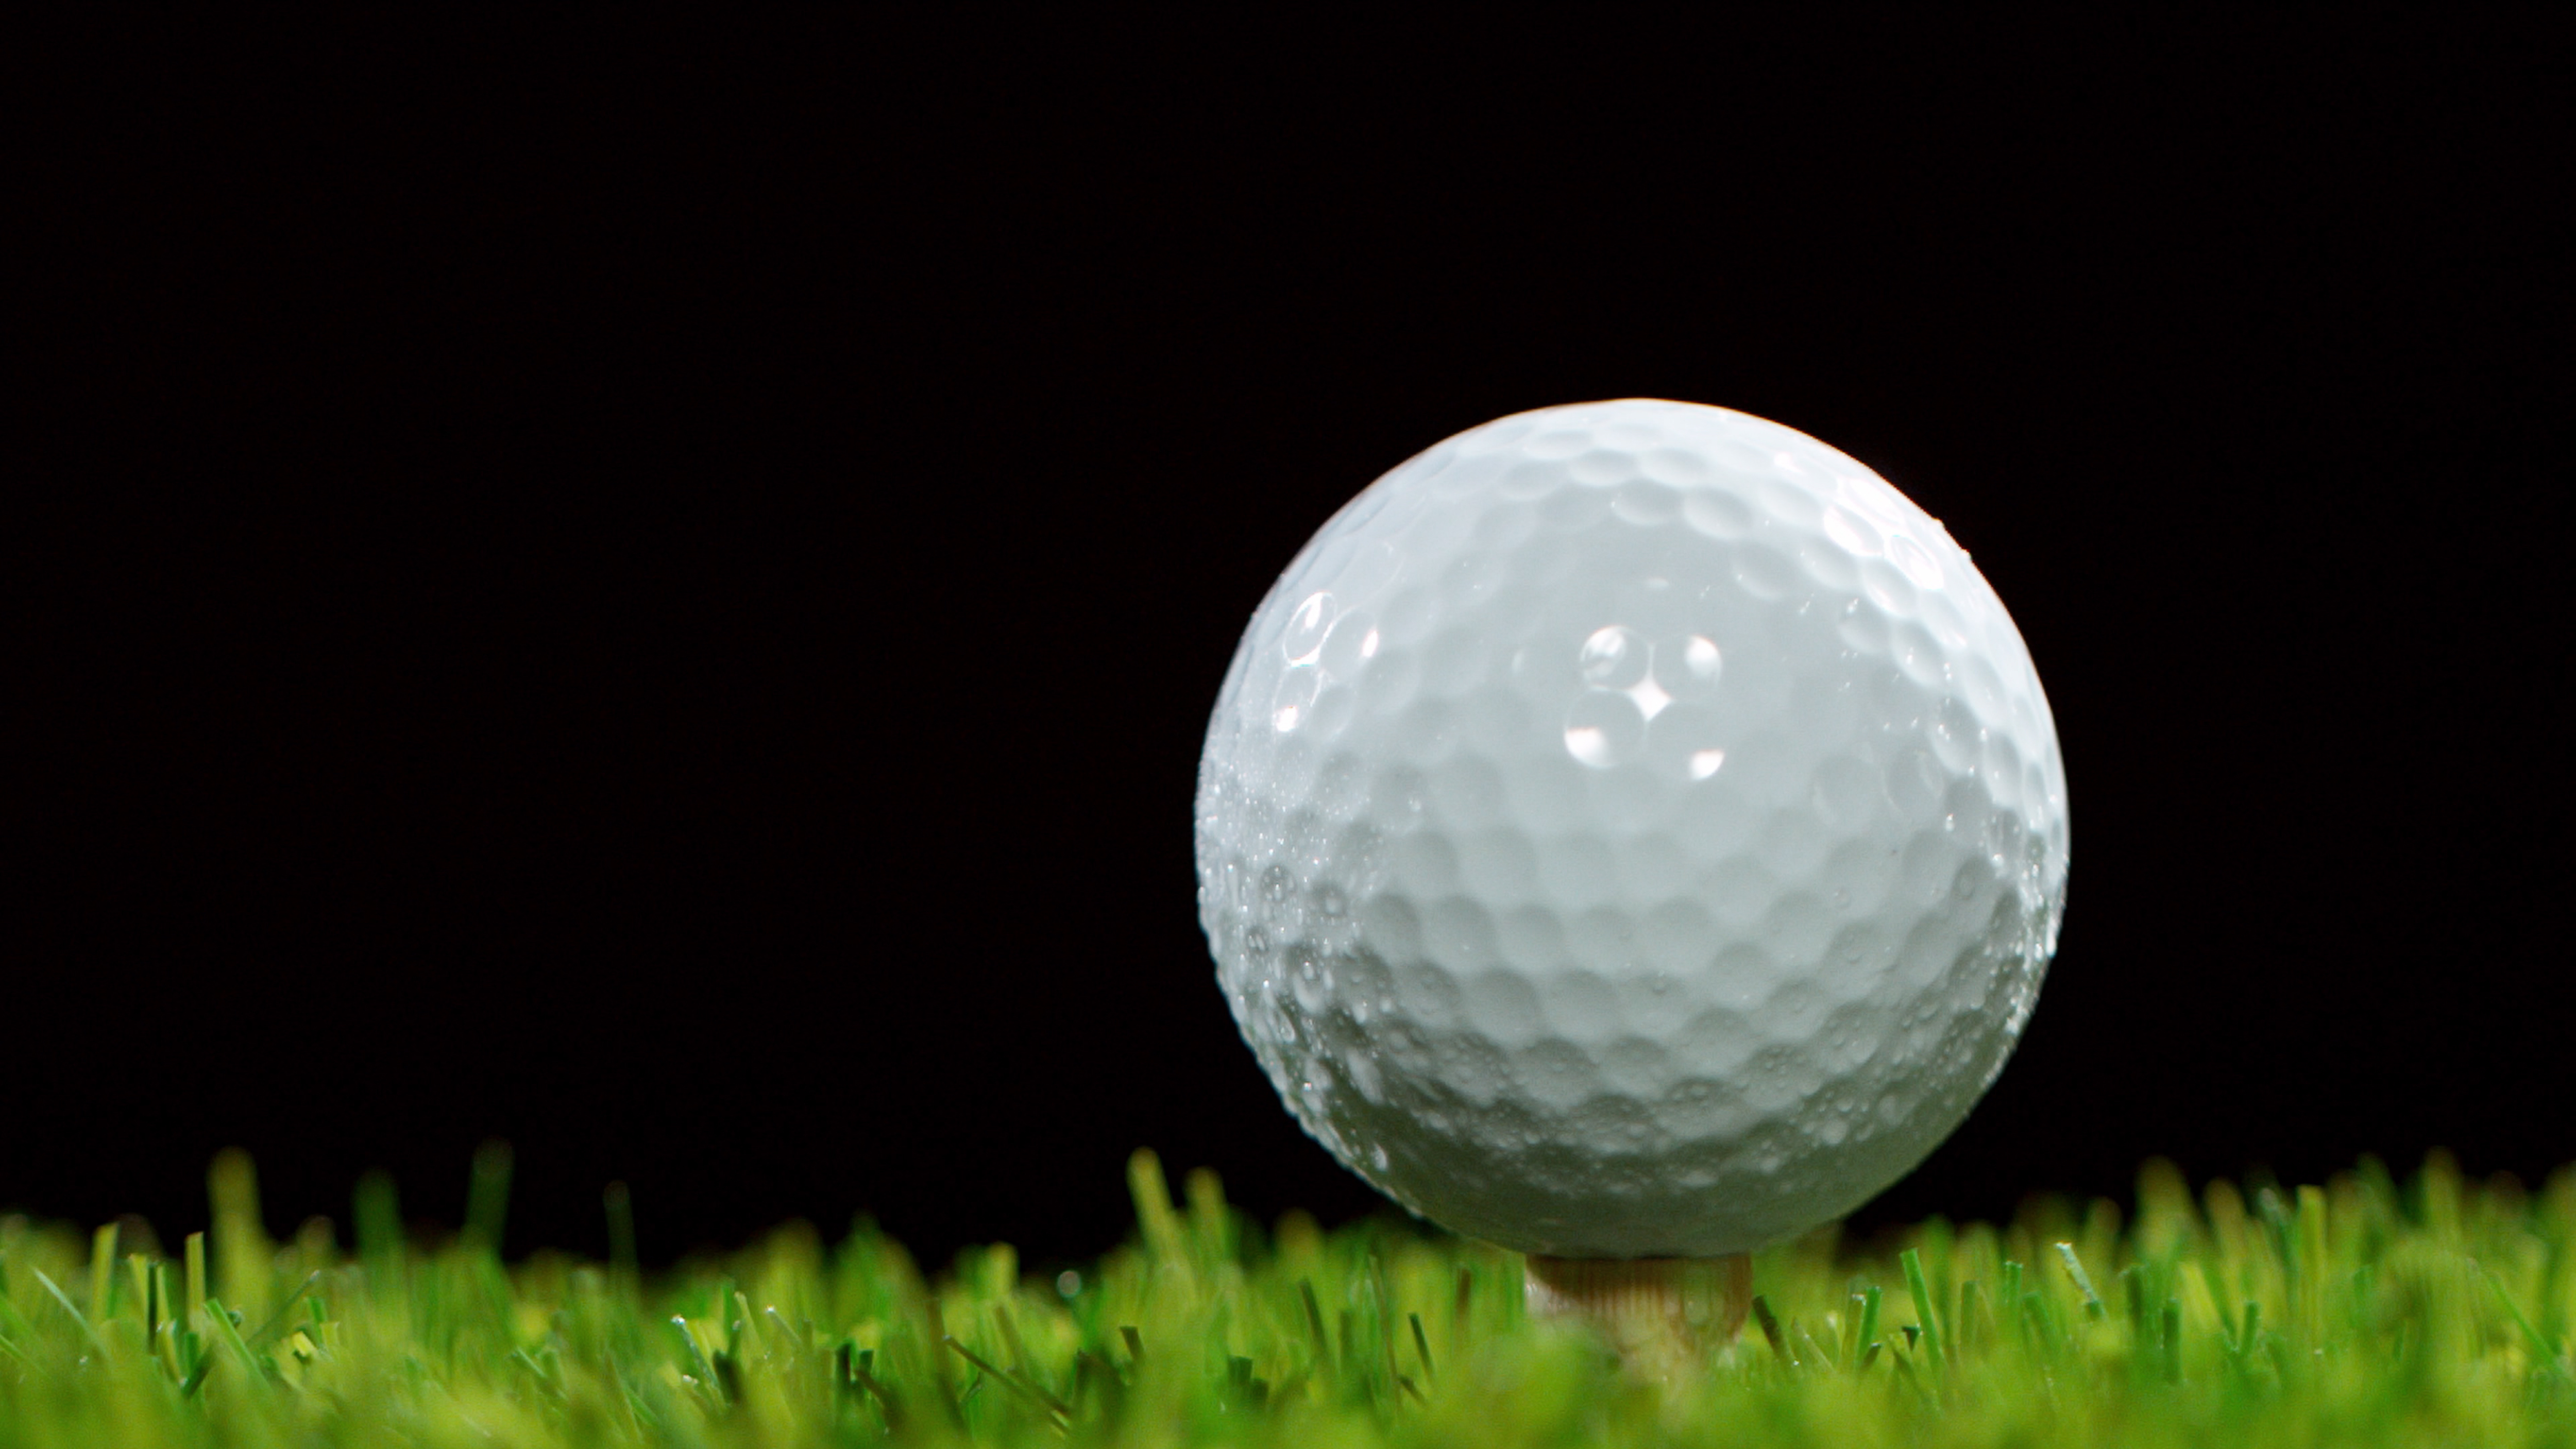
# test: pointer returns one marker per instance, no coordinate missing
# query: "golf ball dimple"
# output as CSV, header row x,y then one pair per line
x,y
1631,829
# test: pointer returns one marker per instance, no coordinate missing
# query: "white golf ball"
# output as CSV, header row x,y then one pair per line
x,y
1631,829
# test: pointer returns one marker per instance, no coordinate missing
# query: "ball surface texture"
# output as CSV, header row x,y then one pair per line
x,y
1631,829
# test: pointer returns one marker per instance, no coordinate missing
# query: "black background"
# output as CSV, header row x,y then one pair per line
x,y
653,594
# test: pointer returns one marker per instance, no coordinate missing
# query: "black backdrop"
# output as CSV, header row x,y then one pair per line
x,y
654,594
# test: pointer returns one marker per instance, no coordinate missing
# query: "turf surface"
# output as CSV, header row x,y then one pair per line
x,y
2356,1313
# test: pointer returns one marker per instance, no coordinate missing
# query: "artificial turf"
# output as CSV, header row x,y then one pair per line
x,y
2355,1313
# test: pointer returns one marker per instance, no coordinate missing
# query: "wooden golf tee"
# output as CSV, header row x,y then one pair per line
x,y
1660,1313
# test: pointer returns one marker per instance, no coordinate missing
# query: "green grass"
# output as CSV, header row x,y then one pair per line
x,y
2358,1312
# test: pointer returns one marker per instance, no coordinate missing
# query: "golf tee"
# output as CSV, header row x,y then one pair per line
x,y
1658,1312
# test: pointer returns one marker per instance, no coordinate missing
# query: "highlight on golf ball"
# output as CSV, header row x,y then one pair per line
x,y
1631,829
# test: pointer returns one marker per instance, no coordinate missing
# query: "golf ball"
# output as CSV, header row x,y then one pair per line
x,y
1631,829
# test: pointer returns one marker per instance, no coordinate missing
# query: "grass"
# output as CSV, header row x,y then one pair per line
x,y
2356,1313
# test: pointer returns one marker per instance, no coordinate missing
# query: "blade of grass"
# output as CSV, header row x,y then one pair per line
x,y
1974,1325
167,1324
1155,1216
221,1319
2543,1357
102,1274
200,1361
701,1369
1771,1329
1008,1380
940,1377
1090,1369
1315,1324
139,1268
13,1322
285,1310
2093,1308
88,1330
886,1401
1915,1286
196,1256
1020,1361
